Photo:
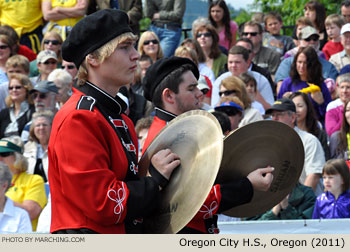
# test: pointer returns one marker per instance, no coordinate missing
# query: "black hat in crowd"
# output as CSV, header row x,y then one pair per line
x,y
160,69
92,32
283,104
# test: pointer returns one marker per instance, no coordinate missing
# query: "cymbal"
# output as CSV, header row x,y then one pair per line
x,y
258,145
196,137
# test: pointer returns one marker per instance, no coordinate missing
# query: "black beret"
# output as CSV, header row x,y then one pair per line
x,y
160,69
92,32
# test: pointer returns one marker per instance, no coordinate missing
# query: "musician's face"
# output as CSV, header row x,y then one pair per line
x,y
188,97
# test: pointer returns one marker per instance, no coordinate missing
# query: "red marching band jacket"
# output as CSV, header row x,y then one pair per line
x,y
89,167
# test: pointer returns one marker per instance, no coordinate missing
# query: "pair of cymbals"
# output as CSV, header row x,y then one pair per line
x,y
196,137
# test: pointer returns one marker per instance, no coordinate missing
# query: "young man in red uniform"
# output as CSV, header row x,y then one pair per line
x,y
171,84
93,172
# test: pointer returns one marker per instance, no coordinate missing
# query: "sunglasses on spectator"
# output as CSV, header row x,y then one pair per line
x,y
253,34
15,87
227,92
314,38
40,95
68,67
205,34
52,62
147,42
54,42
2,47
5,154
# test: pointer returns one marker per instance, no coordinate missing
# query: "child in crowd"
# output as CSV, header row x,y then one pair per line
x,y
141,128
335,201
333,23
251,84
274,39
299,24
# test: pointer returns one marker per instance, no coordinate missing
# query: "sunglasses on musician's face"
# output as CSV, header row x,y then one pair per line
x,y
68,67
205,34
6,154
227,92
54,42
153,41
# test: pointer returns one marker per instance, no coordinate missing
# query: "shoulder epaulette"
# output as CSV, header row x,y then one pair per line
x,y
86,102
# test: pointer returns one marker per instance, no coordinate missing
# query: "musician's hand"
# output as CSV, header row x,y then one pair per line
x,y
261,178
165,162
317,97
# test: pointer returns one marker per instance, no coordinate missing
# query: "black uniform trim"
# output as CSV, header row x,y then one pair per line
x,y
164,115
86,102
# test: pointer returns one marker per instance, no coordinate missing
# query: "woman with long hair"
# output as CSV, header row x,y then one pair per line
x,y
6,51
19,106
219,17
316,12
208,39
307,119
339,141
306,69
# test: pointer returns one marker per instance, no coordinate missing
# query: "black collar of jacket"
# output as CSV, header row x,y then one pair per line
x,y
164,115
114,105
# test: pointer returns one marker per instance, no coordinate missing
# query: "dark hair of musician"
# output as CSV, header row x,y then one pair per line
x,y
313,67
172,81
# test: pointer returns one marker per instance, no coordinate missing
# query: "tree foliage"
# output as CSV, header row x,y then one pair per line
x,y
290,10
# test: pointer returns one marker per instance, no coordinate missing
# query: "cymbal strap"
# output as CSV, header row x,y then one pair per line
x,y
158,177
